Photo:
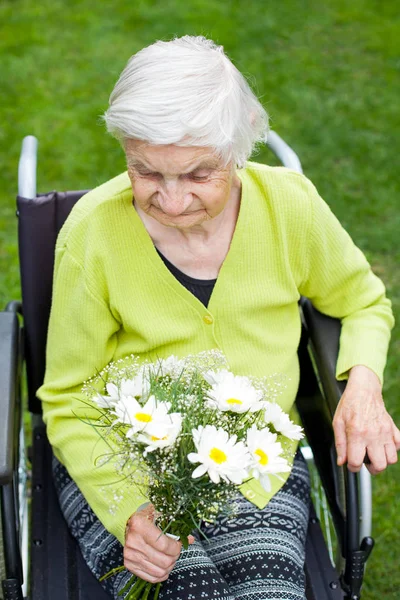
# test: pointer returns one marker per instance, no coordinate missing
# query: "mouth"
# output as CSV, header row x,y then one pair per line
x,y
181,215
185,219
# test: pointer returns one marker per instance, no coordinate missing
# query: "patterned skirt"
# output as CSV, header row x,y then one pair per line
x,y
258,555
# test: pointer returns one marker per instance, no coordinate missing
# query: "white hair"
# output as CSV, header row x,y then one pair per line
x,y
187,92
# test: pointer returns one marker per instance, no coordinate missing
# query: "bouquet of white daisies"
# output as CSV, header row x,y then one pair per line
x,y
194,432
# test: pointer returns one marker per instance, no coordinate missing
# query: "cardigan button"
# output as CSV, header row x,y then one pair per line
x,y
208,320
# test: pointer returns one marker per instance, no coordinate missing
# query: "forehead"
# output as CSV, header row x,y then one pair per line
x,y
170,158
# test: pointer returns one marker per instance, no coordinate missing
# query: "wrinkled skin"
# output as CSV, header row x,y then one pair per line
x,y
148,553
363,425
189,202
179,187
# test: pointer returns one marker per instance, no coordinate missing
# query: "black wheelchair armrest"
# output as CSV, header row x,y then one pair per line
x,y
10,411
10,357
317,411
318,396
323,337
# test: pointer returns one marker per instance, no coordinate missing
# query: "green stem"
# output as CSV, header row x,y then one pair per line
x,y
127,586
111,573
146,592
135,593
157,591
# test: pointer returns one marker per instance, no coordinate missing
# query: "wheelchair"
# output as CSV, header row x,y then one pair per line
x,y
39,559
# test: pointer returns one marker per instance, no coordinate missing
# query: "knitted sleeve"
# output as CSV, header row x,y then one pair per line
x,y
81,340
340,283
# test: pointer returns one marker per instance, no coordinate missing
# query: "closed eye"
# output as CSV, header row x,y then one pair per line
x,y
149,174
197,178
198,175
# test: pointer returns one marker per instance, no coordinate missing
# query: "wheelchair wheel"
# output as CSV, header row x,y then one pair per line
x,y
24,489
14,549
321,506
2,563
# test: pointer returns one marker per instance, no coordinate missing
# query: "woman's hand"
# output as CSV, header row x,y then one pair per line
x,y
362,424
148,553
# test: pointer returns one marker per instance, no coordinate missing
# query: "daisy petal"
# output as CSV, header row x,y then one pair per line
x,y
199,471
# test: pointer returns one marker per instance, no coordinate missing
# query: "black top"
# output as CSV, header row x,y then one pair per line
x,y
201,288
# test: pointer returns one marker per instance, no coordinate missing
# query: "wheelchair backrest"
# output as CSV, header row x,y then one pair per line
x,y
39,222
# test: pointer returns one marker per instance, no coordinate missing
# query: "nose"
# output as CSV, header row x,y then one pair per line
x,y
173,199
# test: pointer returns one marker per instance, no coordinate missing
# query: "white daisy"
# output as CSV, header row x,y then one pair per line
x,y
104,401
234,393
152,418
213,377
170,366
274,415
168,439
137,387
107,401
220,455
266,455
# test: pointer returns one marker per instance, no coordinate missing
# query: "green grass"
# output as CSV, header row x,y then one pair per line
x,y
328,73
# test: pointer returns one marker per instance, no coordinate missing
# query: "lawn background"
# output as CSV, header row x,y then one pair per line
x,y
327,72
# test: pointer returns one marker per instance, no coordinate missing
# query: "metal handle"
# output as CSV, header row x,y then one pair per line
x,y
283,152
27,167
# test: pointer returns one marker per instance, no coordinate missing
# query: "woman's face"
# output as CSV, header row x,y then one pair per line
x,y
179,186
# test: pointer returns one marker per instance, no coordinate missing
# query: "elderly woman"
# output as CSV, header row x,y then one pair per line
x,y
192,249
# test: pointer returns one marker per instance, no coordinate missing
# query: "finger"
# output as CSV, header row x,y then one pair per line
x,y
377,455
355,455
340,441
140,527
135,560
191,539
136,546
146,576
160,558
396,436
391,453
141,520
151,570
147,511
163,543
146,554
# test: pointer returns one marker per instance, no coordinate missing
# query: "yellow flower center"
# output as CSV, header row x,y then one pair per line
x,y
263,457
156,439
217,455
234,401
143,417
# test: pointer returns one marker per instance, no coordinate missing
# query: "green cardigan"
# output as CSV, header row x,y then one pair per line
x,y
114,296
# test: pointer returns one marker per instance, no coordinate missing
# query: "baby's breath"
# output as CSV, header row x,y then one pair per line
x,y
161,470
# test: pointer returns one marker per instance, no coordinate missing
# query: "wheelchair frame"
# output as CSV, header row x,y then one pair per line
x,y
348,494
